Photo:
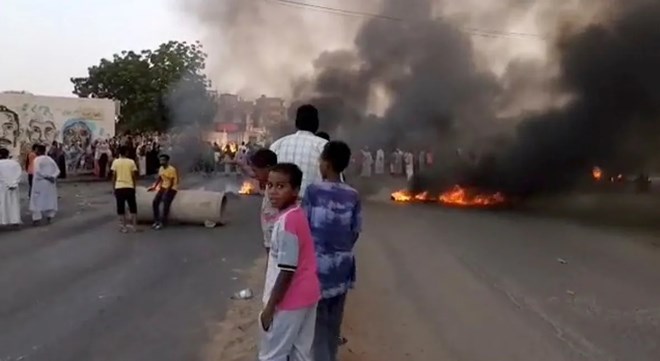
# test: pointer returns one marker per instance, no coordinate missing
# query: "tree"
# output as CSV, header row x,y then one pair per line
x,y
157,89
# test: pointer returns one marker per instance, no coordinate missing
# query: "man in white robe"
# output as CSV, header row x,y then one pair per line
x,y
380,162
10,176
43,200
408,160
367,162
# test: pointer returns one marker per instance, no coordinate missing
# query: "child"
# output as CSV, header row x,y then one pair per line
x,y
292,290
261,163
334,212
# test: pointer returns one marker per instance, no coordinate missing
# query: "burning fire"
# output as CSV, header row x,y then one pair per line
x,y
597,173
247,188
457,195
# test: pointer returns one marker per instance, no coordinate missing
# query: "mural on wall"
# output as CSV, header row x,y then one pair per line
x,y
75,123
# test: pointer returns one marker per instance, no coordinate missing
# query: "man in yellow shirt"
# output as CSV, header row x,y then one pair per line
x,y
124,176
166,187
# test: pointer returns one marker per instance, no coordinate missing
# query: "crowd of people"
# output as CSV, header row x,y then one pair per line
x,y
311,219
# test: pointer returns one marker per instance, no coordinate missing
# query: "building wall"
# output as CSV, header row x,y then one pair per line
x,y
26,119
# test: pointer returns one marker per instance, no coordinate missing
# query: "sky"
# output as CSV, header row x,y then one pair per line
x,y
46,42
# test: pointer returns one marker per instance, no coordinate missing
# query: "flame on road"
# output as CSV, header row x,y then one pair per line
x,y
457,196
597,173
247,188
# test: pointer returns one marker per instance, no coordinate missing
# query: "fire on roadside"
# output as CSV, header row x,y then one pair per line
x,y
456,196
247,188
597,173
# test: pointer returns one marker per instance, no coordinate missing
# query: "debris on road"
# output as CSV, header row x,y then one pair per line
x,y
245,294
562,261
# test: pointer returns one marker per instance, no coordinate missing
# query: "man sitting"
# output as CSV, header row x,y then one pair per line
x,y
166,187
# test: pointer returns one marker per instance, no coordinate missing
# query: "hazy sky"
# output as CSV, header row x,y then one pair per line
x,y
45,42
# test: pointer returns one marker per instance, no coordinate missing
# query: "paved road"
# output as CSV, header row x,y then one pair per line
x,y
80,290
439,284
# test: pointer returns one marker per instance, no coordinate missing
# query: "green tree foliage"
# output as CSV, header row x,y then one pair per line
x,y
158,89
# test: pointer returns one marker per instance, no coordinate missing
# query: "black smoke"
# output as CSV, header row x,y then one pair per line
x,y
612,71
438,96
425,67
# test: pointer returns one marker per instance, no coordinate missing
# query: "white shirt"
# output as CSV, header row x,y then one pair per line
x,y
303,149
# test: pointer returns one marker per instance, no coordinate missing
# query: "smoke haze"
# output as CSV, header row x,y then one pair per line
x,y
462,74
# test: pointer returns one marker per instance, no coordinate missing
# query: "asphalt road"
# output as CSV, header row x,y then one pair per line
x,y
438,284
80,290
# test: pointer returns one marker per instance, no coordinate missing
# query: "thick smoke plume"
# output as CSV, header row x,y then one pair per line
x,y
611,70
439,97
433,81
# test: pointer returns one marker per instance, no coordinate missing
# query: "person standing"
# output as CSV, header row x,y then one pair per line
x,y
57,154
10,176
380,162
102,158
302,148
421,161
291,290
124,178
333,210
166,188
29,167
408,160
367,163
43,198
261,162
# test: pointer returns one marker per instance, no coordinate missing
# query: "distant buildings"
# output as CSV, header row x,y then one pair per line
x,y
238,120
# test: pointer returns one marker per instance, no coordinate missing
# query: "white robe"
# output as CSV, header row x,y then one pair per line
x,y
380,162
408,159
367,162
44,193
10,205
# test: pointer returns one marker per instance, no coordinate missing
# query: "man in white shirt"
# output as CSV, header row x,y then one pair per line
x,y
303,148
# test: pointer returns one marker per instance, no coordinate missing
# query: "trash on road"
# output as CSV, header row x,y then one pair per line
x,y
245,294
570,293
209,224
562,261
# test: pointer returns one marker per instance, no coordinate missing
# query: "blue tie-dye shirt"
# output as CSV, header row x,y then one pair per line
x,y
335,218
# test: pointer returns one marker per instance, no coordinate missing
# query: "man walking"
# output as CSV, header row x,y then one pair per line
x,y
303,148
43,199
10,176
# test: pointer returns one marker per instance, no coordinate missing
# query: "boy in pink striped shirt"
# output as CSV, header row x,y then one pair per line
x,y
292,288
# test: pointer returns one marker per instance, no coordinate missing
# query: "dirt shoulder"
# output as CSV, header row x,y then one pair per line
x,y
234,339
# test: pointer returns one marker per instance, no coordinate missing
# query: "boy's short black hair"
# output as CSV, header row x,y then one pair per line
x,y
164,156
338,154
263,158
323,135
123,151
292,170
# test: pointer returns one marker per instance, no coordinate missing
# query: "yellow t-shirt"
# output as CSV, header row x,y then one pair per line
x,y
124,169
169,178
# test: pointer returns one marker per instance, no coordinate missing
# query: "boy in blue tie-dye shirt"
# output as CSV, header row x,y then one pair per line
x,y
334,212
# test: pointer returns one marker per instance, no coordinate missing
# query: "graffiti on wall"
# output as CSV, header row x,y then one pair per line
x,y
62,120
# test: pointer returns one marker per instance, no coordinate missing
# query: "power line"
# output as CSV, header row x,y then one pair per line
x,y
354,13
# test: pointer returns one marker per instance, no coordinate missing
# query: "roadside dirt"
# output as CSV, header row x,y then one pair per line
x,y
234,339
373,330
